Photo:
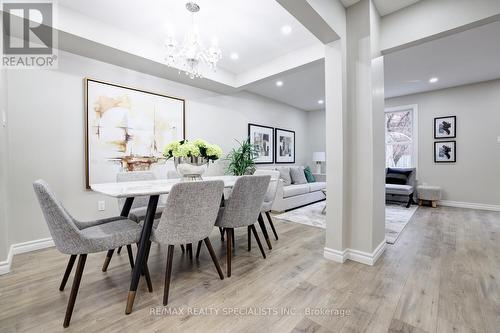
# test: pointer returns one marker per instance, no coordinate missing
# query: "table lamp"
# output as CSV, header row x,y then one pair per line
x,y
319,157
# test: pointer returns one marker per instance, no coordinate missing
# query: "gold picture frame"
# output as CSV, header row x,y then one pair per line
x,y
137,92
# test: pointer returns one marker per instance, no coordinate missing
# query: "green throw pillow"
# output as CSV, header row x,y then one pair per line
x,y
309,175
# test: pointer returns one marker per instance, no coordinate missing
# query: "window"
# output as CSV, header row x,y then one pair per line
x,y
401,137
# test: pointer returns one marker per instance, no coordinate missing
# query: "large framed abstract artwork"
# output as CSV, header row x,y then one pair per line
x,y
445,152
262,137
127,129
285,146
445,127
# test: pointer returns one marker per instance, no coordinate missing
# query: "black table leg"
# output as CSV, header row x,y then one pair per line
x,y
127,206
125,211
142,251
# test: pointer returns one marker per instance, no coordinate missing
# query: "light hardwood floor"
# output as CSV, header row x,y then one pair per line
x,y
441,276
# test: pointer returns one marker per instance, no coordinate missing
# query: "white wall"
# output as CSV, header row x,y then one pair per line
x,y
317,136
475,177
46,133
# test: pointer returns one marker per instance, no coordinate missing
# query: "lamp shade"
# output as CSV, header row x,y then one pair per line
x,y
319,156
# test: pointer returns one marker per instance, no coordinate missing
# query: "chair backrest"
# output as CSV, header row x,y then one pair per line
x,y
61,225
244,206
134,176
273,184
412,178
190,212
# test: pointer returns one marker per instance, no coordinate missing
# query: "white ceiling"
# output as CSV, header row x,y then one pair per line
x,y
302,87
384,7
463,58
253,31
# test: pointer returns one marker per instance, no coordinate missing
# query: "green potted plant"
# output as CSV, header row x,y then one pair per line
x,y
242,159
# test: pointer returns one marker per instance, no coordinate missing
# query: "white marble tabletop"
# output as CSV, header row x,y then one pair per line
x,y
149,187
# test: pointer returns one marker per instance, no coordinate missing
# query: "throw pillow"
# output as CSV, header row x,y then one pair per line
x,y
285,175
298,176
309,175
397,177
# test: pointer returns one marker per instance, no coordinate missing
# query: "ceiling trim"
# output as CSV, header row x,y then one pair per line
x,y
311,19
450,32
290,61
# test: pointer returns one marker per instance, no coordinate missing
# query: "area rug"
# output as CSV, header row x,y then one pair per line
x,y
308,215
396,218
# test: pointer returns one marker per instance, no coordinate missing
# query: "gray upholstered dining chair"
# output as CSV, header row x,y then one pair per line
x,y
268,201
138,209
242,210
189,216
75,238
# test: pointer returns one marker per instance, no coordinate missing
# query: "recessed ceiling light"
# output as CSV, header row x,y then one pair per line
x,y
433,80
234,56
279,83
286,29
321,101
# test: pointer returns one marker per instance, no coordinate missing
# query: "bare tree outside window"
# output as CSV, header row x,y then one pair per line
x,y
399,139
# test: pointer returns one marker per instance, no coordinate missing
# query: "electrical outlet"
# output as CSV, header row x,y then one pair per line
x,y
101,205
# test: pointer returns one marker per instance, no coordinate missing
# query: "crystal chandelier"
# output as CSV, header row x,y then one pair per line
x,y
191,54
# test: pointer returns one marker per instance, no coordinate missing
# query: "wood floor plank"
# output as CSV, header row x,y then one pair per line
x,y
442,275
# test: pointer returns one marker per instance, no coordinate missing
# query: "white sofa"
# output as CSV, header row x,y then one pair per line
x,y
292,196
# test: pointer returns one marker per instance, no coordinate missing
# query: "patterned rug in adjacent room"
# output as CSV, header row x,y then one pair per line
x,y
308,215
396,218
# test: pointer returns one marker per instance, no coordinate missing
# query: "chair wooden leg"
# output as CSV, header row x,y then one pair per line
x,y
214,257
229,248
410,201
258,240
264,231
119,250
272,225
109,255
183,249
233,239
130,256
67,273
168,273
74,289
249,236
221,230
198,249
189,248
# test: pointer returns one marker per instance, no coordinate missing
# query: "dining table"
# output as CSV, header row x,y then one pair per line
x,y
152,189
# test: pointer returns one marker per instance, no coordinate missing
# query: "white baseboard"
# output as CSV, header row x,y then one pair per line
x,y
335,255
469,205
355,255
5,265
23,248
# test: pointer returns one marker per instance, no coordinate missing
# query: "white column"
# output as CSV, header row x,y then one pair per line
x,y
336,152
355,141
4,248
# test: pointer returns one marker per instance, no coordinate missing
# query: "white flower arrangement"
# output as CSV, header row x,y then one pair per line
x,y
196,148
